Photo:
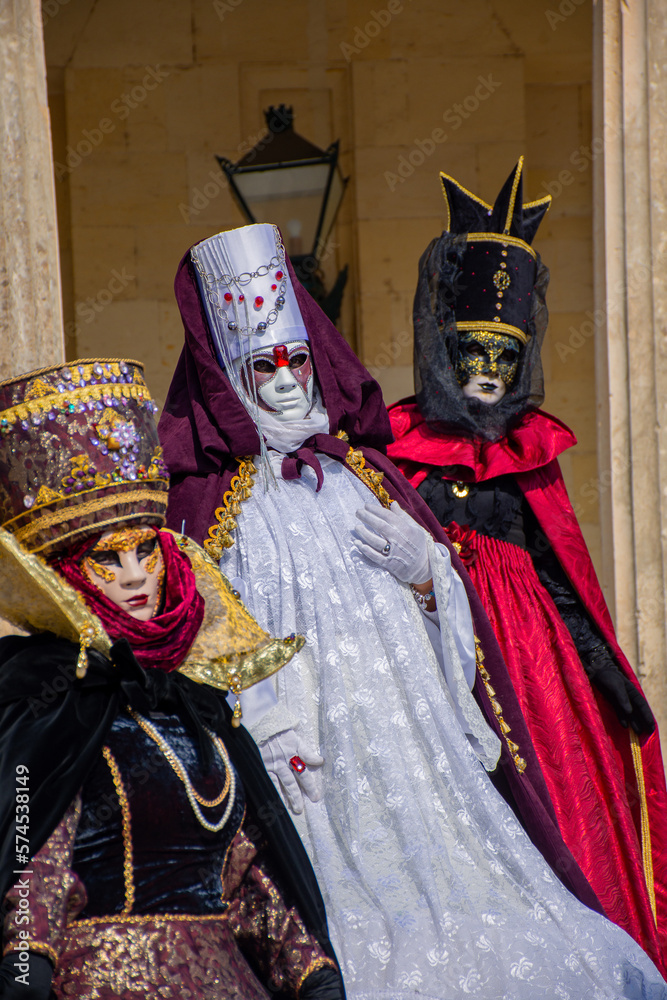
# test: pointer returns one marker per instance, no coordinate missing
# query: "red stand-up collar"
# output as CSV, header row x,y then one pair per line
x,y
533,443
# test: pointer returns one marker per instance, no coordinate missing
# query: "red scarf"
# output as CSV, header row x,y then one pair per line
x,y
165,640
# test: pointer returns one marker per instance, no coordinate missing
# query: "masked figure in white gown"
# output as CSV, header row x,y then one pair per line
x,y
274,434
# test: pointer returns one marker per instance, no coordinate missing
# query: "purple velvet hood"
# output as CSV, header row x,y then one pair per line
x,y
204,429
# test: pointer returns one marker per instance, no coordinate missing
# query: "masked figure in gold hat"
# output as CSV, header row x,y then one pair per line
x,y
485,459
144,850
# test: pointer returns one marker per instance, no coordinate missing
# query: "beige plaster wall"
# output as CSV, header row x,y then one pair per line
x,y
143,94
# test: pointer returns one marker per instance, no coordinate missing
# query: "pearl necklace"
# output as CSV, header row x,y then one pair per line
x,y
177,765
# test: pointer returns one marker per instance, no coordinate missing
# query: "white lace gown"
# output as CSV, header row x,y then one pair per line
x,y
432,889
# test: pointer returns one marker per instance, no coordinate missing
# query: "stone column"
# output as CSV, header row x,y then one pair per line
x,y
31,329
630,130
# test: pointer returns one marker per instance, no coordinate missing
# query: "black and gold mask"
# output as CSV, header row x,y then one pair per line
x,y
484,352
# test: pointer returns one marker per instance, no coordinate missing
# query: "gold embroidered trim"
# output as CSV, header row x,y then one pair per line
x,y
39,947
474,197
226,857
515,185
219,535
647,852
493,327
313,966
146,918
98,526
513,747
370,478
538,201
74,365
504,238
97,393
128,860
56,517
47,497
489,208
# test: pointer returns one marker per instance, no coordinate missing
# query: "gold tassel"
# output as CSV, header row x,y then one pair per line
x,y
235,688
88,633
238,713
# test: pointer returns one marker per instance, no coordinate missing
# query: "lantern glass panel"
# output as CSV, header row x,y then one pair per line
x,y
291,197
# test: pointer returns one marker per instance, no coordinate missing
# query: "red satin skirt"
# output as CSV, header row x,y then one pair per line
x,y
594,797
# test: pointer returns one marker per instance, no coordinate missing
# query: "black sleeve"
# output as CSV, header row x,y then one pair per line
x,y
597,659
29,980
585,636
324,984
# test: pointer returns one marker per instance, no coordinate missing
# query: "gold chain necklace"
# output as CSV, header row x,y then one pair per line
x,y
194,798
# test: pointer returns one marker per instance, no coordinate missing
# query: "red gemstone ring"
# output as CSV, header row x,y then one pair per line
x,y
297,764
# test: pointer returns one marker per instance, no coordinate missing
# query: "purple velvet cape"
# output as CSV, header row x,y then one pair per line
x,y
204,429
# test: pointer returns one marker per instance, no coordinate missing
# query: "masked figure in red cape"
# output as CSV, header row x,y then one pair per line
x,y
485,459
432,889
143,849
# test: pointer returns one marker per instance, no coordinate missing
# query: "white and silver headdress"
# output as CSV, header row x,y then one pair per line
x,y
250,303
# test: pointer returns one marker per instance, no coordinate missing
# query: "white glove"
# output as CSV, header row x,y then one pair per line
x,y
391,539
277,752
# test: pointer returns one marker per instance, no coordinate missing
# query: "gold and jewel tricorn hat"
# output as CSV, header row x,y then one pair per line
x,y
495,287
79,453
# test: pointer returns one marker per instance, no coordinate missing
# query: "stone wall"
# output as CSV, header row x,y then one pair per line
x,y
143,95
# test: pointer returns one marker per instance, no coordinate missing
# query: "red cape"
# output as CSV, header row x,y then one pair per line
x,y
530,453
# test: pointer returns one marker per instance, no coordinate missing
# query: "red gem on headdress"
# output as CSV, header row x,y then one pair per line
x,y
280,356
279,275
228,296
241,298
273,288
259,302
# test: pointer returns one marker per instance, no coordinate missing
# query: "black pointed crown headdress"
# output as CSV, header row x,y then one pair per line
x,y
494,288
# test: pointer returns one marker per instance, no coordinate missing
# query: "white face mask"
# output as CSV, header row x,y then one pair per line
x,y
127,566
283,379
